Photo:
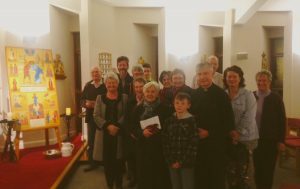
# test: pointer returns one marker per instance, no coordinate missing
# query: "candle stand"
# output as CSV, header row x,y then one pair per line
x,y
67,119
9,145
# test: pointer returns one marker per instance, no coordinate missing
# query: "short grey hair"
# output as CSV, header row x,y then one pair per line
x,y
213,57
264,72
137,67
203,66
111,75
151,84
139,80
96,68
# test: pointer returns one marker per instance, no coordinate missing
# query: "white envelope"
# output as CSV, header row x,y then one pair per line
x,y
151,121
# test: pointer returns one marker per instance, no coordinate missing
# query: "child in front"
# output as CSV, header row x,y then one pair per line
x,y
180,138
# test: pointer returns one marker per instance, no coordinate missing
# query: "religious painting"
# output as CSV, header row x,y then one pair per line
x,y
32,87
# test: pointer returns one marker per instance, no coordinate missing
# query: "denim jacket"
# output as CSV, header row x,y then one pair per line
x,y
244,108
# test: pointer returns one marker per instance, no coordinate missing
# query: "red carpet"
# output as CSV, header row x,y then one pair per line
x,y
33,170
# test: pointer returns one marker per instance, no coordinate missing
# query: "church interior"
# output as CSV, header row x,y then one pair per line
x,y
77,35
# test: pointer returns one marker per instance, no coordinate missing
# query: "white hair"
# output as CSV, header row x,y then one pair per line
x,y
203,66
111,75
151,84
212,57
264,72
96,68
137,67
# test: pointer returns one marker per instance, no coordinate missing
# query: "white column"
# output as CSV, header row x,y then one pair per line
x,y
227,38
292,89
84,25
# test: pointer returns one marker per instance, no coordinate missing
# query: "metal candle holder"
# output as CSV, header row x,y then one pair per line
x,y
67,119
8,142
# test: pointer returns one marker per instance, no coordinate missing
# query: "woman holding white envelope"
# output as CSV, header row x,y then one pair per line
x,y
152,169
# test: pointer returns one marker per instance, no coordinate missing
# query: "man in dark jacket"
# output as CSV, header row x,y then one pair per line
x,y
213,111
90,92
271,120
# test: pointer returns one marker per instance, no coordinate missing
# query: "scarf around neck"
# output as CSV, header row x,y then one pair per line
x,y
149,108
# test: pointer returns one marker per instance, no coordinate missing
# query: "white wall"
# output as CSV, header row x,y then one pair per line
x,y
69,5
213,18
295,67
115,30
250,38
207,25
112,29
206,40
136,35
61,24
2,38
145,45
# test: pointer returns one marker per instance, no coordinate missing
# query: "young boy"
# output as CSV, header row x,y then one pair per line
x,y
147,72
180,137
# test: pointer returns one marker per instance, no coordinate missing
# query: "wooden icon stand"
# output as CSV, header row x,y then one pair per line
x,y
57,133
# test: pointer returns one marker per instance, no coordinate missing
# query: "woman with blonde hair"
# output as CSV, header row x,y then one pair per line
x,y
109,114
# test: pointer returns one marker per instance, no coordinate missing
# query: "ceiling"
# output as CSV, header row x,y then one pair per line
x,y
211,5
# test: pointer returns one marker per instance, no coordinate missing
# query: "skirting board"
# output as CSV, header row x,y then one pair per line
x,y
36,143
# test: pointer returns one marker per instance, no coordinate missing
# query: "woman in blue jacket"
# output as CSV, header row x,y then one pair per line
x,y
244,108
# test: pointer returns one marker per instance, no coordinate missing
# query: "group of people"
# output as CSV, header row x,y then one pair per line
x,y
190,142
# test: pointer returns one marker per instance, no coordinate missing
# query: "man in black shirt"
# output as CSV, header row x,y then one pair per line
x,y
214,115
90,92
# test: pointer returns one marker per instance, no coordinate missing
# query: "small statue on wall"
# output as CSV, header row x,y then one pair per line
x,y
59,68
264,62
141,60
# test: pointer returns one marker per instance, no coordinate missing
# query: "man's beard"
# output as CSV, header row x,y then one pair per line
x,y
123,73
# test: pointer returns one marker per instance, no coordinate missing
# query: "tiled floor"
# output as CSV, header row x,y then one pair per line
x,y
95,179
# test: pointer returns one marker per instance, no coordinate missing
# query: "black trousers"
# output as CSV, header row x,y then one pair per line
x,y
265,156
91,138
132,168
211,167
113,167
130,155
152,170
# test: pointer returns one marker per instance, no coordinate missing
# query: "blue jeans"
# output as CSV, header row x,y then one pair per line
x,y
182,178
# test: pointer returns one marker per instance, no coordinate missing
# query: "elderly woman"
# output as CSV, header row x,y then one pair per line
x,y
178,85
137,71
244,108
109,113
165,80
152,170
271,119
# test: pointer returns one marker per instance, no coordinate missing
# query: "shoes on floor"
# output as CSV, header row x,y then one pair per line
x,y
90,168
131,184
